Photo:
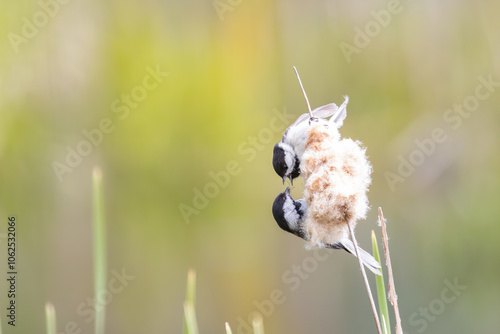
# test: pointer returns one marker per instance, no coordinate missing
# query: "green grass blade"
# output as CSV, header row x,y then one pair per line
x,y
382,297
190,319
191,287
190,324
228,329
99,248
258,326
50,315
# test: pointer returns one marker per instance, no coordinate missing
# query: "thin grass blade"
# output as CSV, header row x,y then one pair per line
x,y
99,248
190,324
258,325
382,297
50,316
190,319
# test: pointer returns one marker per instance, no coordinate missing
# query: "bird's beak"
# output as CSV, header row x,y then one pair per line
x,y
287,191
289,177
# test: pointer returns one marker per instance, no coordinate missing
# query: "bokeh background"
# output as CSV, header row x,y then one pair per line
x,y
229,66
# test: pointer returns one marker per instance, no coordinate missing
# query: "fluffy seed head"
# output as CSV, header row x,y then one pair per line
x,y
337,177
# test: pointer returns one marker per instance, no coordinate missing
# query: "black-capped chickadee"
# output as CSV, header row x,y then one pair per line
x,y
291,215
287,154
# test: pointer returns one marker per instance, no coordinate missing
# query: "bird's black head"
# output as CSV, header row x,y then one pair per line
x,y
279,163
285,161
279,213
288,213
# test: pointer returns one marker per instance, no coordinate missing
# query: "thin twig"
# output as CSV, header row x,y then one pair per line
x,y
392,289
303,91
367,284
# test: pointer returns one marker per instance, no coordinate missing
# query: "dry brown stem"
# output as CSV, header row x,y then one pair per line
x,y
392,289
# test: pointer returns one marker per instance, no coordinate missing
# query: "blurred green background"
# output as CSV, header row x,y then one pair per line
x,y
407,67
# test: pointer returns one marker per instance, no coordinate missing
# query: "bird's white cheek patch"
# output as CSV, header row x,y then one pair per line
x,y
291,214
290,161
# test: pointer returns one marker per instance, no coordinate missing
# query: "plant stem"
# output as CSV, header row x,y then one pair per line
x,y
50,315
367,284
228,329
189,314
392,289
257,324
382,297
190,324
99,243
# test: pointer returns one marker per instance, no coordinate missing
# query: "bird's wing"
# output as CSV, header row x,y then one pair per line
x,y
325,111
337,114
340,114
321,112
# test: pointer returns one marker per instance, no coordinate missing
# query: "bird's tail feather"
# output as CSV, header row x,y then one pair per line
x,y
367,259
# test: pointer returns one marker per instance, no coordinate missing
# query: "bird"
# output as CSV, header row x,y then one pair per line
x,y
291,215
288,152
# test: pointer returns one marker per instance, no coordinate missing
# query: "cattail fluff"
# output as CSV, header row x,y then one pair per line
x,y
337,176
